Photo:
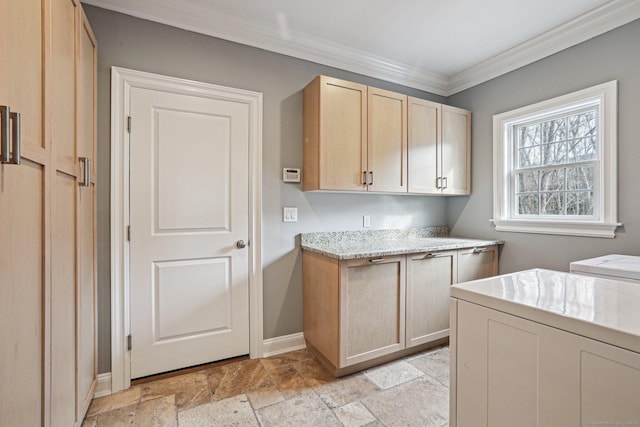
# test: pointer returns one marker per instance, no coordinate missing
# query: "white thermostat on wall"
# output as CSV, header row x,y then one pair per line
x,y
291,175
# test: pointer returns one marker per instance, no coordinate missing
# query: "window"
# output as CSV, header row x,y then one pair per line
x,y
555,165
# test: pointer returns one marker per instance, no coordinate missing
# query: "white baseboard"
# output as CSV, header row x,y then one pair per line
x,y
104,385
270,347
283,344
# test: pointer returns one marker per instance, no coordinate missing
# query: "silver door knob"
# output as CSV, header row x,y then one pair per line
x,y
240,244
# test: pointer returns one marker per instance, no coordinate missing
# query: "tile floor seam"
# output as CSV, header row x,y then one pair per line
x,y
370,411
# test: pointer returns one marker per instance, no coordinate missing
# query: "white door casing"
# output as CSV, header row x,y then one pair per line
x,y
167,227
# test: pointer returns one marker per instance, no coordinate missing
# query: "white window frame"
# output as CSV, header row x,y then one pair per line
x,y
605,222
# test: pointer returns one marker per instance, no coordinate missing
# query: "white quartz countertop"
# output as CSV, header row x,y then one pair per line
x,y
602,309
354,245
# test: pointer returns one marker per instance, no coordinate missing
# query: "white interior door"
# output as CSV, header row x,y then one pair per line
x,y
189,207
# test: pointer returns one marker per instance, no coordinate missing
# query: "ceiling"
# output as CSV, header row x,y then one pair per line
x,y
440,46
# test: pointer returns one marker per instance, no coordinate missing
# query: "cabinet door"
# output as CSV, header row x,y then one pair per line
x,y
455,153
87,366
372,308
22,66
477,263
387,141
342,134
61,132
423,138
24,224
429,277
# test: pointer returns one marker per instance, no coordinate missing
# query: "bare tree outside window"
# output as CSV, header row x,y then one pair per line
x,y
555,165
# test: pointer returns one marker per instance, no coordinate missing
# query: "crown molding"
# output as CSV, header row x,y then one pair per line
x,y
594,23
225,25
230,27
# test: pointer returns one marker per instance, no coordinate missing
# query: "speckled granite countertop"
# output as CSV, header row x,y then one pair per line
x,y
372,243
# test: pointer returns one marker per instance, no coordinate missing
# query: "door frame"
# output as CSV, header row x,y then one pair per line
x,y
122,81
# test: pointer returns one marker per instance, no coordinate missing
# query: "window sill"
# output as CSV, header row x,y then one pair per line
x,y
565,228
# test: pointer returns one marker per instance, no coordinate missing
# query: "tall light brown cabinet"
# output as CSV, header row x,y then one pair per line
x,y
48,364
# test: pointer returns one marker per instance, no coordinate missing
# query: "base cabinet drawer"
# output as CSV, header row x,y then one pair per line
x,y
477,263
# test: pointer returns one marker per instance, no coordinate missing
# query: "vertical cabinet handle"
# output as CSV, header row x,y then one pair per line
x,y
438,183
9,146
15,138
444,179
86,172
4,134
367,181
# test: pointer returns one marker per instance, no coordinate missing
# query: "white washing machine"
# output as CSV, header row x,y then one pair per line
x,y
619,267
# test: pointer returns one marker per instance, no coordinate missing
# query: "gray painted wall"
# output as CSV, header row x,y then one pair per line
x,y
132,43
612,56
142,45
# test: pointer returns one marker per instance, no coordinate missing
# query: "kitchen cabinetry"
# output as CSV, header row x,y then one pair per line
x,y
42,259
387,141
86,196
372,308
360,312
439,145
477,263
511,371
428,279
361,138
335,135
24,251
355,137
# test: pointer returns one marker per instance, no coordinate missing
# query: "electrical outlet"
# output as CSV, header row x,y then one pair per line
x,y
289,214
366,221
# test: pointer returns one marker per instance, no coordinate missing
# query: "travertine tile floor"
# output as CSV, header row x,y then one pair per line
x,y
291,389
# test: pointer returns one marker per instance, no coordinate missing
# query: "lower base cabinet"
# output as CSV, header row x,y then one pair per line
x,y
362,312
507,371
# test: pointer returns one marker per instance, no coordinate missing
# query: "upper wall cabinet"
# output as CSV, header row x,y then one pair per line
x,y
439,148
361,138
335,135
354,137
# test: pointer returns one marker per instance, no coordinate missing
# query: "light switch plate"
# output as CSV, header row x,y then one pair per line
x,y
366,221
289,214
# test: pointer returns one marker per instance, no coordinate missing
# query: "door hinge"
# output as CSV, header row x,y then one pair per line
x,y
129,342
129,124
128,233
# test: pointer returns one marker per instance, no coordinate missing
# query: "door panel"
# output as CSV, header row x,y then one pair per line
x,y
210,185
21,68
62,72
372,319
63,301
423,134
86,125
387,148
456,134
209,285
23,282
343,139
429,278
189,207
477,263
